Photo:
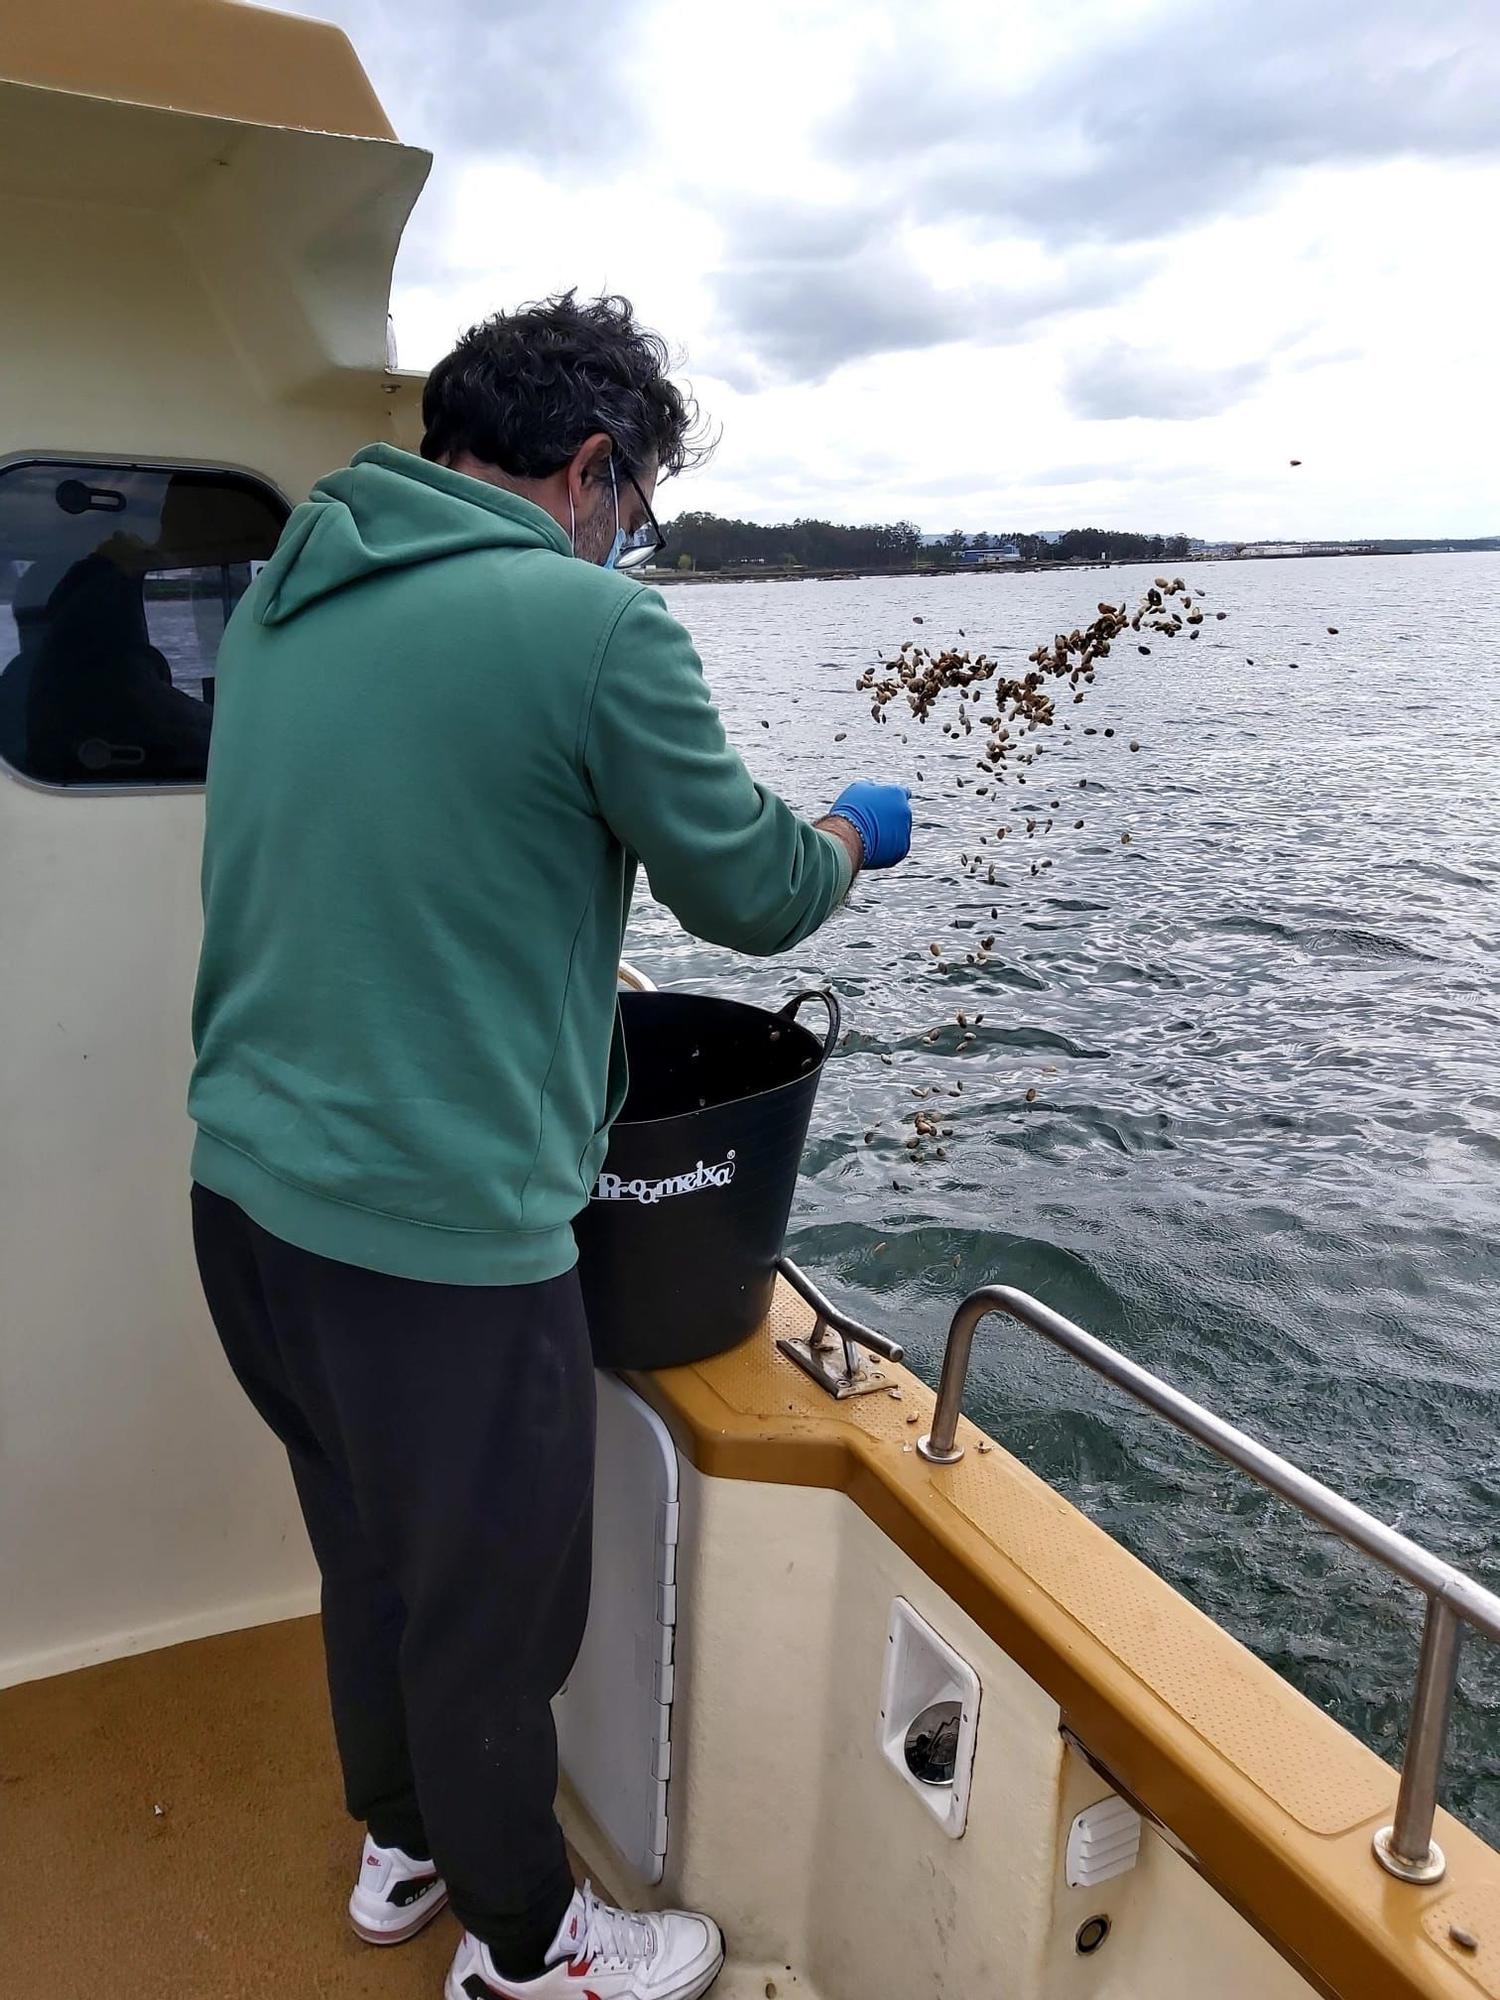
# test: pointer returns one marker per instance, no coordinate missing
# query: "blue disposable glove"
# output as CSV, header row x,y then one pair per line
x,y
882,816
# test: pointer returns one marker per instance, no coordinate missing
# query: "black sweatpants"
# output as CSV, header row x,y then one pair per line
x,y
442,1442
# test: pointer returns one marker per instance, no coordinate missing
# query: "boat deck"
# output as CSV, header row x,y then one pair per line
x,y
170,1829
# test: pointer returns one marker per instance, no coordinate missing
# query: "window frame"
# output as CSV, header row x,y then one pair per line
x,y
128,462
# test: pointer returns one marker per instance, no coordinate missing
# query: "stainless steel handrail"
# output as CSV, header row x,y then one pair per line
x,y
1406,1847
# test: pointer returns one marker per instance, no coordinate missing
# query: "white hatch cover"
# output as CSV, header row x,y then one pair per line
x,y
614,1715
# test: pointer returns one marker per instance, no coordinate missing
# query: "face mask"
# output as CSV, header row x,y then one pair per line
x,y
619,541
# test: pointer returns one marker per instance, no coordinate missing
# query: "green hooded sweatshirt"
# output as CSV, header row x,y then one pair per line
x,y
441,745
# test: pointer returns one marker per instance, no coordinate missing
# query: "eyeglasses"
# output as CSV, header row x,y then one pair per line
x,y
648,540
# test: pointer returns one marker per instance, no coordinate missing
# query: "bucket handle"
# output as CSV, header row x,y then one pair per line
x,y
835,1018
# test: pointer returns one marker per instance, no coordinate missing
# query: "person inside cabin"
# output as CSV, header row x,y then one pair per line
x,y
99,695
449,726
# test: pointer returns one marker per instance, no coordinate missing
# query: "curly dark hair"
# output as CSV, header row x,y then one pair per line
x,y
522,391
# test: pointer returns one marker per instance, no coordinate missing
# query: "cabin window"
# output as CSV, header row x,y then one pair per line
x,y
116,583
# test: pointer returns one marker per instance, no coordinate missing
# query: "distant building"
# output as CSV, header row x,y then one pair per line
x,y
990,557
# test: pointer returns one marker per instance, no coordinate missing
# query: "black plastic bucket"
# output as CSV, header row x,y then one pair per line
x,y
677,1247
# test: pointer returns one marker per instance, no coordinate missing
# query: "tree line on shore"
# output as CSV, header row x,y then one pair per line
x,y
701,541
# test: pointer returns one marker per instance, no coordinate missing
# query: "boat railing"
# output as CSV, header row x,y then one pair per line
x,y
1406,1847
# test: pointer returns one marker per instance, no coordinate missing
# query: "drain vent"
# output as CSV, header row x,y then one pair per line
x,y
1091,1934
1103,1842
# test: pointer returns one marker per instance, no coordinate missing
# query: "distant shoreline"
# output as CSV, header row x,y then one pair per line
x,y
751,573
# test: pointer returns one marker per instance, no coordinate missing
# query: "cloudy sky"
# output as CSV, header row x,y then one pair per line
x,y
995,263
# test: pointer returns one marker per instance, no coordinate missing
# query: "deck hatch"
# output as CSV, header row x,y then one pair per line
x,y
614,1716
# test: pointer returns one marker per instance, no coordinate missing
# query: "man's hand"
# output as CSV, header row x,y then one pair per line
x,y
880,818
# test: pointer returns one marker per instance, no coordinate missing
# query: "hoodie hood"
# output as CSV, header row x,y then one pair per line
x,y
386,510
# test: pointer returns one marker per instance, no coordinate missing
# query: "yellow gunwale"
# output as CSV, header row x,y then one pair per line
x,y
1274,1800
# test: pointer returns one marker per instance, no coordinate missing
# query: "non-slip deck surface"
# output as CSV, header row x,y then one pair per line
x,y
237,1887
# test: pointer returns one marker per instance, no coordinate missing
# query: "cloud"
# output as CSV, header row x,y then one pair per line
x,y
1327,357
1121,133
961,483
1088,474
972,237
785,324
1117,381
800,291
1151,126
524,77
797,234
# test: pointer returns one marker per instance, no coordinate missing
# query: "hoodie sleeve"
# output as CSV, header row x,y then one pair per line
x,y
733,863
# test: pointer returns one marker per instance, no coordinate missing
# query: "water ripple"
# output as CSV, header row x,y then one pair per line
x,y
1261,1154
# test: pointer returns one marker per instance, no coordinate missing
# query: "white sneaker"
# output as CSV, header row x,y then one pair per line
x,y
395,1897
601,1953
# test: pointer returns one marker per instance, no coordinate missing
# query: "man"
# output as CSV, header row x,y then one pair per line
x,y
446,729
